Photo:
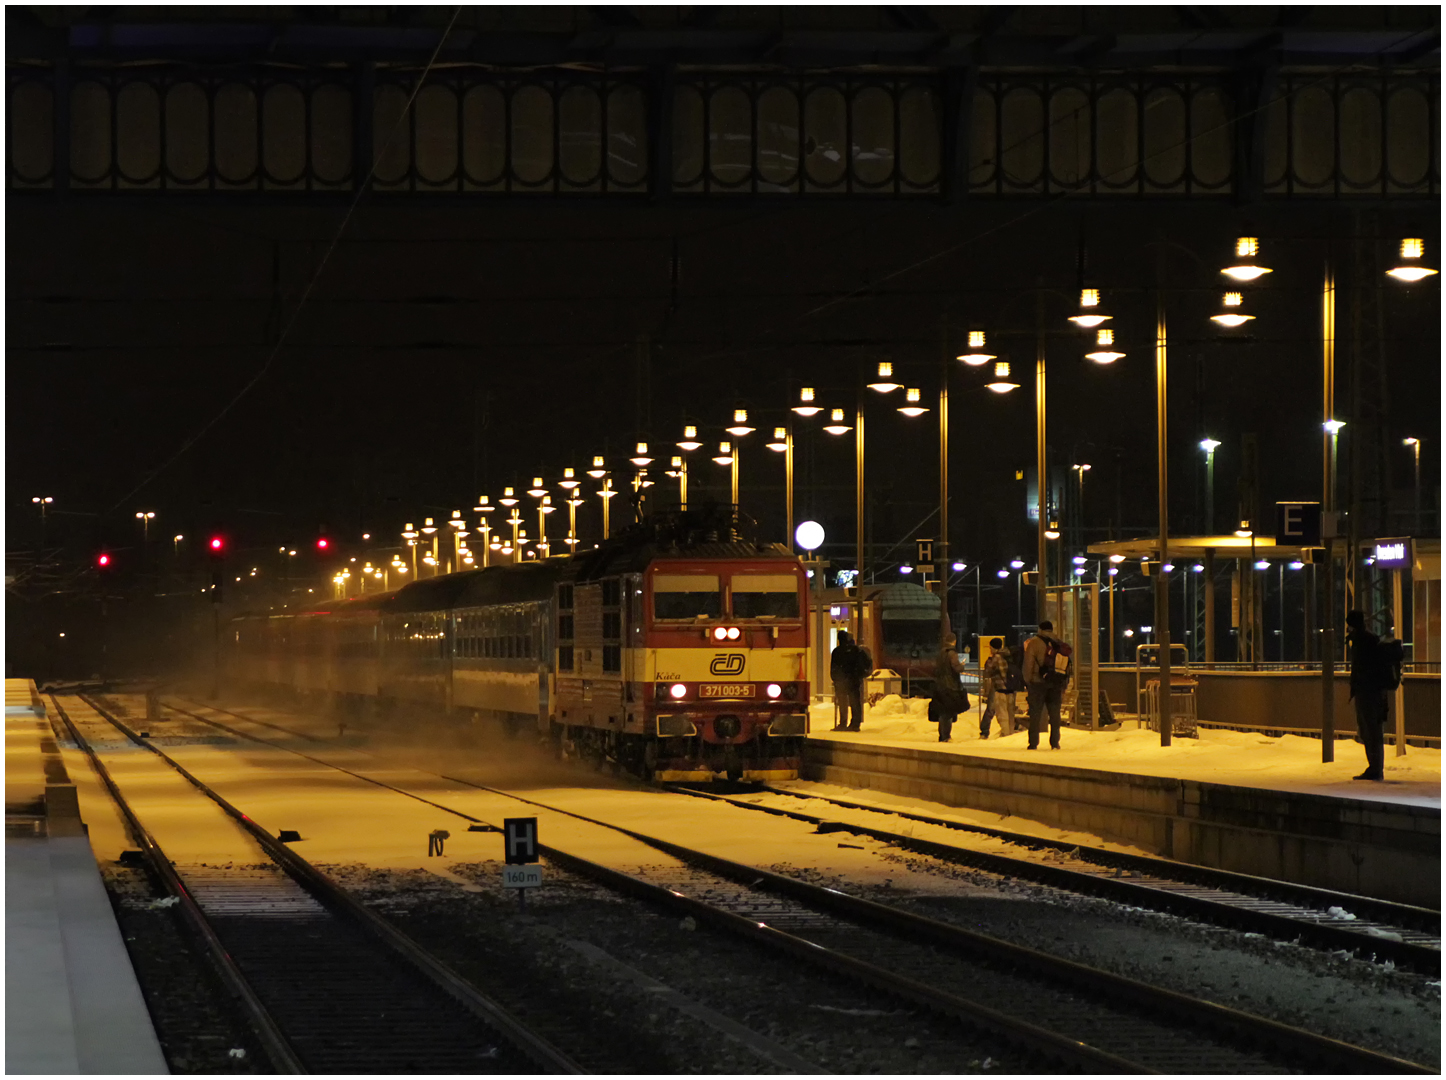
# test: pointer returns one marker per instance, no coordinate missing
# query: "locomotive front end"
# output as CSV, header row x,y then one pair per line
x,y
725,677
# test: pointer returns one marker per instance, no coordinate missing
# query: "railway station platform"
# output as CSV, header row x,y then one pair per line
x,y
1240,801
72,1003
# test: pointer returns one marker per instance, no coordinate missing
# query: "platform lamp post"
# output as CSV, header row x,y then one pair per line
x,y
810,536
176,547
641,459
688,443
599,472
782,443
484,507
1410,270
538,492
410,535
430,530
569,484
1017,565
44,502
1209,446
738,429
1113,574
458,525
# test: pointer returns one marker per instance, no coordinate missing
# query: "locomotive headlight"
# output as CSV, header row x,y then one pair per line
x,y
719,633
733,633
678,690
774,689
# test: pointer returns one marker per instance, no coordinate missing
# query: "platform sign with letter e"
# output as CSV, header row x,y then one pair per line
x,y
519,839
1297,524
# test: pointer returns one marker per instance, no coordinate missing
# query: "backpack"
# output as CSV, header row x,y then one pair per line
x,y
1390,656
864,663
1057,659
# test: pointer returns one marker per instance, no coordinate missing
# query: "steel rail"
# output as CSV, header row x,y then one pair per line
x,y
1391,911
1409,954
542,1053
1330,1053
268,1033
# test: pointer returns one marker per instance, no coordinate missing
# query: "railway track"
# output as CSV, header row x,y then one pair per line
x,y
325,985
1077,1016
1407,936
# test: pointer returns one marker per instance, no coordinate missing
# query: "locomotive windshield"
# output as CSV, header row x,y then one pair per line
x,y
765,596
687,596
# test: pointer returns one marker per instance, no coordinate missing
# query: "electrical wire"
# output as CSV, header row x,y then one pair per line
x,y
315,277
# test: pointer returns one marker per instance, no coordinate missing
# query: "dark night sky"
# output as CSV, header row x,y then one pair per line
x,y
457,345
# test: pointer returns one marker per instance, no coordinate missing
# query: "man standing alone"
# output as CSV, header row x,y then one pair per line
x,y
846,665
1368,691
1043,684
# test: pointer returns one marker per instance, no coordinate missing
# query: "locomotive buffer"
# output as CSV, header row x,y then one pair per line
x,y
519,842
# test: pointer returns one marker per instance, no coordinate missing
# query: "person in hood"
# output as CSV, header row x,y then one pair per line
x,y
1044,691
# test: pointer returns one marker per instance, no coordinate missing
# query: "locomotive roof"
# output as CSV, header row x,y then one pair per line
x,y
905,600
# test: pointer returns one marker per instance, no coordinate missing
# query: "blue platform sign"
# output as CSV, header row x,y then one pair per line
x,y
1297,524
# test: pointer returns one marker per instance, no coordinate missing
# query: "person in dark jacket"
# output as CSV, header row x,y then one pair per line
x,y
846,669
1368,691
948,698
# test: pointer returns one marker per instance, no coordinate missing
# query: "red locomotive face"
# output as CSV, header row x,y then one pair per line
x,y
726,645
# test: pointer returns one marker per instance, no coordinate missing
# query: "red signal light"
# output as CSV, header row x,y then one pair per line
x,y
104,560
217,543
322,544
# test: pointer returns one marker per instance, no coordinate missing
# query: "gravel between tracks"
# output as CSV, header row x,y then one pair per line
x,y
198,1028
1371,1005
834,1024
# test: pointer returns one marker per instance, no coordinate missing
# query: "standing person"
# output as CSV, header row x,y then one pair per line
x,y
949,699
991,675
1368,691
1043,685
845,663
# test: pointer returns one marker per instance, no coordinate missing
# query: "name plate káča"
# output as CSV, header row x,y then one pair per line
x,y
521,877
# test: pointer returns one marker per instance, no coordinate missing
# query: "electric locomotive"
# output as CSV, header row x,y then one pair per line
x,y
682,654
676,650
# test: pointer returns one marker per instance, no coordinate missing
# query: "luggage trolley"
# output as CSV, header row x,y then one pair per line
x,y
1183,687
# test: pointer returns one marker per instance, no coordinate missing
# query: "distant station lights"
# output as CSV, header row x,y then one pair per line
x,y
912,405
836,425
641,457
739,427
976,356
805,406
1230,317
1247,266
1002,383
1105,351
884,382
689,442
1409,269
1090,316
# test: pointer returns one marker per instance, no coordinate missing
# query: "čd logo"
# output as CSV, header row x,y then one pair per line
x,y
727,664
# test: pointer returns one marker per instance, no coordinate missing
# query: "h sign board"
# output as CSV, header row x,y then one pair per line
x,y
1297,524
519,835
1393,554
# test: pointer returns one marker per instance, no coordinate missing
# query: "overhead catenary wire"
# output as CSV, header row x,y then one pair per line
x,y
311,283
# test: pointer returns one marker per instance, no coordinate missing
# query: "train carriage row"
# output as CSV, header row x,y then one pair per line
x,y
679,661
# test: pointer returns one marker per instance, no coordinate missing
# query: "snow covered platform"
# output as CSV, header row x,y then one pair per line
x,y
72,1004
1236,800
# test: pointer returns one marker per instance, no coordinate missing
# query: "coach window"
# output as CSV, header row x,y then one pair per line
x,y
686,596
765,596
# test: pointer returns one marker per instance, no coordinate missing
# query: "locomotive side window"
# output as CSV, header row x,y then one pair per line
x,y
687,596
612,625
765,596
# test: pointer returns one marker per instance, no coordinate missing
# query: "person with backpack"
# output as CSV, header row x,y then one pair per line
x,y
848,666
948,699
1046,673
1375,672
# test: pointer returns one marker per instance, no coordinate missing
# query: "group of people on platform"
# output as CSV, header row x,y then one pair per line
x,y
1039,667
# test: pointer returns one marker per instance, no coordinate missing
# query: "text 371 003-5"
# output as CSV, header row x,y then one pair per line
x,y
727,690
